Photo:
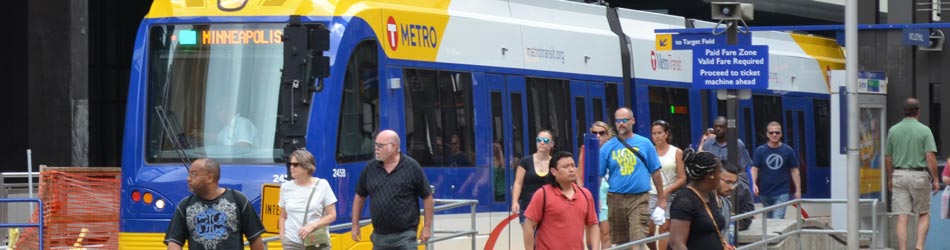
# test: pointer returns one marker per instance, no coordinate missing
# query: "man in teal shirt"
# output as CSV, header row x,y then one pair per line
x,y
911,150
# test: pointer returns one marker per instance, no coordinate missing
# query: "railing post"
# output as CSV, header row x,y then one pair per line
x,y
765,229
799,222
473,226
874,223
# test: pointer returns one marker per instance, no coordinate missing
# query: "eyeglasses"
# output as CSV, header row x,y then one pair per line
x,y
381,145
622,120
598,132
775,132
196,174
543,140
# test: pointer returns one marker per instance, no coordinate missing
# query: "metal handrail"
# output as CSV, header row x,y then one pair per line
x,y
449,204
38,225
797,232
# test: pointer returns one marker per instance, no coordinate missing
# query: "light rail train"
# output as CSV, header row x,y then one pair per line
x,y
466,84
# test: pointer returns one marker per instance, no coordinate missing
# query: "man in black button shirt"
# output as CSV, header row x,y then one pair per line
x,y
394,181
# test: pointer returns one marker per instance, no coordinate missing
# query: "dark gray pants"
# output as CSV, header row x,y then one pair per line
x,y
395,241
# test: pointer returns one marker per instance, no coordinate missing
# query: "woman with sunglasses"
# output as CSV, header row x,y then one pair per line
x,y
671,169
603,132
307,204
531,172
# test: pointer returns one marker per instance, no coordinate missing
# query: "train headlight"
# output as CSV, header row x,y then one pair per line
x,y
160,204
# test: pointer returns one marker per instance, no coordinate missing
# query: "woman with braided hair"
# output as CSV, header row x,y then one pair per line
x,y
693,225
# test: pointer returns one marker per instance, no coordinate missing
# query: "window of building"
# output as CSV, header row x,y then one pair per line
x,y
439,127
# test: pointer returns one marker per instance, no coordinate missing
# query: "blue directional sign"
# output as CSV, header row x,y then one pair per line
x,y
731,67
919,37
690,40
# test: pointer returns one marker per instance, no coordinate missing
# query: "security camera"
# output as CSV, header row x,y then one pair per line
x,y
730,11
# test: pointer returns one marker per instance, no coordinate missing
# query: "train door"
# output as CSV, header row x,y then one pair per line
x,y
799,124
505,100
587,106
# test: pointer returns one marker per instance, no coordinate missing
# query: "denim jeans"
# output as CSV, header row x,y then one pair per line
x,y
772,200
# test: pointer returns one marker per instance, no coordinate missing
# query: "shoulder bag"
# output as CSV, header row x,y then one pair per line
x,y
319,236
725,245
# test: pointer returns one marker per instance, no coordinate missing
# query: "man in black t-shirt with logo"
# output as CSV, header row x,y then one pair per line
x,y
213,217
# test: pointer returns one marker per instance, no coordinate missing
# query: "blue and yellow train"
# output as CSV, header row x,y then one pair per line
x,y
466,84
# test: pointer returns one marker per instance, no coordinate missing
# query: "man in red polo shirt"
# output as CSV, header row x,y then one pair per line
x,y
560,212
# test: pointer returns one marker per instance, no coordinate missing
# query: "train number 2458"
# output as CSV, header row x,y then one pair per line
x,y
339,173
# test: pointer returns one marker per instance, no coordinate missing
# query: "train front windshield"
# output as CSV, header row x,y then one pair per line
x,y
213,92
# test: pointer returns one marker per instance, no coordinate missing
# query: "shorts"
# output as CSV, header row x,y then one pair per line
x,y
629,217
911,192
602,216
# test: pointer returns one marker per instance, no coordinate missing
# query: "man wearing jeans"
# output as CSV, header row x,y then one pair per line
x,y
911,150
777,164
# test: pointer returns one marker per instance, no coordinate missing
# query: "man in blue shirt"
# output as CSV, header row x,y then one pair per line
x,y
629,178
720,148
777,164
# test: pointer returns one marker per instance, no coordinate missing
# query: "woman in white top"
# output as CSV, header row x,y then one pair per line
x,y
294,195
672,168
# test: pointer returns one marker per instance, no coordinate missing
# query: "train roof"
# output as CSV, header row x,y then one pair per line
x,y
545,35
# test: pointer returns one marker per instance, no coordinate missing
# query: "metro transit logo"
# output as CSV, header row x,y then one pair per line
x,y
665,62
414,35
391,33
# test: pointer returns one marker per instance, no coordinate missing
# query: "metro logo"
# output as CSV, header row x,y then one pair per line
x,y
665,62
653,59
411,35
417,35
391,33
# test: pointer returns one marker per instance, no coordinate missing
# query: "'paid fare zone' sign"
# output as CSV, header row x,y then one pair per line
x,y
731,67
270,212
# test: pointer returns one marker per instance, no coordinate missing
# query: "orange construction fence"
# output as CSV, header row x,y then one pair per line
x,y
81,206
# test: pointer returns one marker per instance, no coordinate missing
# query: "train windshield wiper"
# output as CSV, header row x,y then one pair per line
x,y
175,136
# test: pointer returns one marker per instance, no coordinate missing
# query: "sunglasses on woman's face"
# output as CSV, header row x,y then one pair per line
x,y
543,140
599,133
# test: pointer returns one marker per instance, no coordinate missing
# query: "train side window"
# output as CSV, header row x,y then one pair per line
x,y
767,109
549,107
598,109
672,106
580,111
822,133
359,110
802,151
749,143
613,93
517,127
498,148
439,128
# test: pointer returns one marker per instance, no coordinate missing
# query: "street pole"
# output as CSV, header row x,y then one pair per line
x,y
732,36
851,71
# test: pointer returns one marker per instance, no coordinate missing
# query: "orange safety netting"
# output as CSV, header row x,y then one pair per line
x,y
81,209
